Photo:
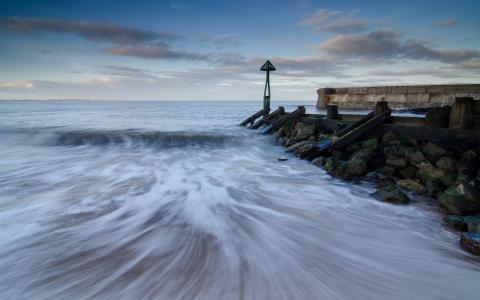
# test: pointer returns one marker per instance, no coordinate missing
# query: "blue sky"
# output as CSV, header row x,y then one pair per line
x,y
212,50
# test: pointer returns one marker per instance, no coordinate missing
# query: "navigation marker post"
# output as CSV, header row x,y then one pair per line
x,y
267,66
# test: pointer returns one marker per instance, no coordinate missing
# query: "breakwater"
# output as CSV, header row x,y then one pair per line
x,y
405,157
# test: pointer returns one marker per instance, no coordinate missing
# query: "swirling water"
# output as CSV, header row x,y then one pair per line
x,y
164,200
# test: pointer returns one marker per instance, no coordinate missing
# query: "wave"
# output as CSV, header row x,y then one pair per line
x,y
131,138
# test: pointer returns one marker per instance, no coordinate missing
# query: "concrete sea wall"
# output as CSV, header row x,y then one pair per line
x,y
399,97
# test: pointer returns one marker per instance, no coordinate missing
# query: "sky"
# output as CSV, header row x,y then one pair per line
x,y
212,50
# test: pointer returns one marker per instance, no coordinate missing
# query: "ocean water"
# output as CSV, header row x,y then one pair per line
x,y
173,200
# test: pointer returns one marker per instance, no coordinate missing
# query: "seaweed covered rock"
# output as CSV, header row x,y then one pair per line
x,y
427,171
408,172
433,152
471,242
335,166
389,138
397,163
463,223
434,187
411,184
460,200
390,193
446,163
356,167
303,131
414,155
319,161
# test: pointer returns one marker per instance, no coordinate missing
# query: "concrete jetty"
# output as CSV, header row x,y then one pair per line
x,y
398,97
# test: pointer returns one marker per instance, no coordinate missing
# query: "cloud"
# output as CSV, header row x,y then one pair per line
x,y
445,23
17,85
96,32
219,40
163,51
347,26
335,21
319,17
387,44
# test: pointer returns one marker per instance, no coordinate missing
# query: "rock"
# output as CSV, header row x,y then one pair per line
x,y
391,194
471,242
370,143
397,163
466,170
408,172
411,184
389,137
386,170
433,152
337,154
394,152
303,131
356,167
282,140
352,148
467,223
282,159
295,146
449,179
469,193
374,176
305,149
280,133
290,141
455,203
414,155
334,166
365,154
434,187
447,164
405,141
478,176
469,155
427,171
319,161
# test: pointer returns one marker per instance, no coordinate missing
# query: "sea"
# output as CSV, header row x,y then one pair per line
x,y
174,200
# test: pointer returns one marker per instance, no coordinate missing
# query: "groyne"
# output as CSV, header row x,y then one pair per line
x,y
436,156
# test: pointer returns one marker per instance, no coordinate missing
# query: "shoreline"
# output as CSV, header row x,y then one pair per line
x,y
397,165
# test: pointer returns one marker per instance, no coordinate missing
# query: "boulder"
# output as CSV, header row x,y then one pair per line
x,y
414,155
370,143
471,242
389,137
447,164
356,167
468,192
469,155
456,204
386,170
397,163
427,171
433,152
412,184
449,179
290,141
391,194
303,131
466,170
282,158
365,154
467,223
408,172
295,146
394,152
434,187
335,167
319,161
281,140
305,149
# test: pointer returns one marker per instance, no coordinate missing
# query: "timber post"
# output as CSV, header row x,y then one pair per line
x,y
461,116
332,112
